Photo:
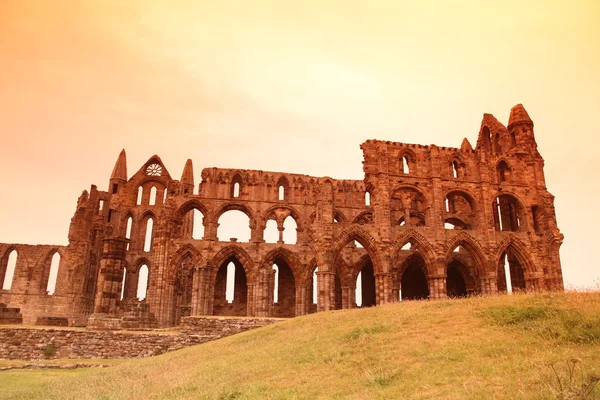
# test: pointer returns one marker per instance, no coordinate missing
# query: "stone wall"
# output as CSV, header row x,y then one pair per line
x,y
50,343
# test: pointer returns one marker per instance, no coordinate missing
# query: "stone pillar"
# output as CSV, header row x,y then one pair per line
x,y
326,289
210,231
383,288
437,286
203,287
110,278
262,298
347,297
488,284
301,300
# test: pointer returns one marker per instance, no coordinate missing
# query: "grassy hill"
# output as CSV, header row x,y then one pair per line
x,y
504,347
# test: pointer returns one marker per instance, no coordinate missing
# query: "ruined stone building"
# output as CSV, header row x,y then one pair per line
x,y
425,222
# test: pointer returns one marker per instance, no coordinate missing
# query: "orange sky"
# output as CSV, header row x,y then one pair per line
x,y
288,86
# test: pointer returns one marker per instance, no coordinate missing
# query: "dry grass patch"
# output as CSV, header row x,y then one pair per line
x,y
454,349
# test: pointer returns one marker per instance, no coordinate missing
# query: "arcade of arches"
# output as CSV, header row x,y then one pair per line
x,y
425,222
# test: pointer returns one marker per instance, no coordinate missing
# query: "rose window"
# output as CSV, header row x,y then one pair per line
x,y
154,170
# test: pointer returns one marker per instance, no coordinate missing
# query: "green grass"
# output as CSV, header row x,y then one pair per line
x,y
505,347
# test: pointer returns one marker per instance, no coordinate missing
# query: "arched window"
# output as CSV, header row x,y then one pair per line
x,y
165,195
271,233
276,284
143,276
234,224
513,139
236,185
405,165
315,287
454,169
8,270
52,277
507,214
140,194
367,198
128,230
282,188
123,282
503,171
230,285
198,230
153,194
290,227
148,237
486,138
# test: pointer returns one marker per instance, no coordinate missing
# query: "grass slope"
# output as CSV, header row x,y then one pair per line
x,y
480,348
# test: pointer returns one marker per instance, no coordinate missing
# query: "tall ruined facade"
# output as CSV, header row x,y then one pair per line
x,y
425,222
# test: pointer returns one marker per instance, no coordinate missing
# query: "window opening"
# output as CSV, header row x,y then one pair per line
x,y
230,285
139,196
10,270
153,193
148,238
52,278
143,282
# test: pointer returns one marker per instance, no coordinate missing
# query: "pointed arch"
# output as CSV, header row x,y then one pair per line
x,y
50,268
519,249
291,258
472,246
283,188
8,267
186,251
240,254
339,216
361,236
365,217
423,246
237,182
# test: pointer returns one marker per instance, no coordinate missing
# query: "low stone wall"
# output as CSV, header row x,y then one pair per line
x,y
51,343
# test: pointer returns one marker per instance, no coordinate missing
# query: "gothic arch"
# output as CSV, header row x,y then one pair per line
x,y
137,264
472,246
270,214
467,195
364,238
339,216
423,246
520,250
365,217
288,256
190,205
186,251
240,254
229,206
426,199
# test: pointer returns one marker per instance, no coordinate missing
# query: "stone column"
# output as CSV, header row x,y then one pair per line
x,y
383,288
202,296
110,278
326,289
488,284
210,231
437,286
301,300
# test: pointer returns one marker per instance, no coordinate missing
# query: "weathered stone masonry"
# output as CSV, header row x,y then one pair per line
x,y
425,222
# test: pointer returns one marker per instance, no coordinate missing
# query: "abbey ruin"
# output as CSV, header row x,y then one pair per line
x,y
425,222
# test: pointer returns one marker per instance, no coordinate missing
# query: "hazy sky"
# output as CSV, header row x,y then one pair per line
x,y
288,86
